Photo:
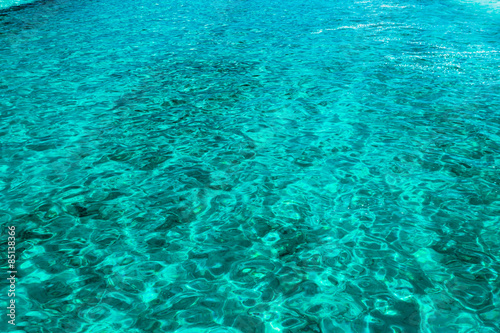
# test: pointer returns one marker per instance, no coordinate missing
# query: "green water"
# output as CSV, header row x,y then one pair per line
x,y
251,166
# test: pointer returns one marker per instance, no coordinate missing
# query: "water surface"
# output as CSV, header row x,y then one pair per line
x,y
252,166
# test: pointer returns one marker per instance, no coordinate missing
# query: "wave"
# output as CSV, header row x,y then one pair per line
x,y
4,4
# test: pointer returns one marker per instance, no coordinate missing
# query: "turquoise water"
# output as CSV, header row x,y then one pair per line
x,y
4,4
252,166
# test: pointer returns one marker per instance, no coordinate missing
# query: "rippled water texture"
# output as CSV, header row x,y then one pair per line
x,y
252,166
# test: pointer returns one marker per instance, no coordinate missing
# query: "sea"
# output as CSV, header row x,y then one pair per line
x,y
250,166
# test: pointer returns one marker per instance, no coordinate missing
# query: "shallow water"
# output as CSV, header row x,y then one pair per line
x,y
252,166
4,4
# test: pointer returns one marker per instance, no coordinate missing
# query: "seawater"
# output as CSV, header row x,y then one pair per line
x,y
252,166
4,4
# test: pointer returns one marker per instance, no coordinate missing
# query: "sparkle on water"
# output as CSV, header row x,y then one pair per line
x,y
252,166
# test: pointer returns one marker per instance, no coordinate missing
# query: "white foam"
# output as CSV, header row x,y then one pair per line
x,y
492,4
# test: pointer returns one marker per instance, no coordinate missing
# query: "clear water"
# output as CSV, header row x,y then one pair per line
x,y
252,166
4,4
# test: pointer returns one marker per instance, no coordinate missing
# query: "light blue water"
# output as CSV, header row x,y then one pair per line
x,y
252,166
4,4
